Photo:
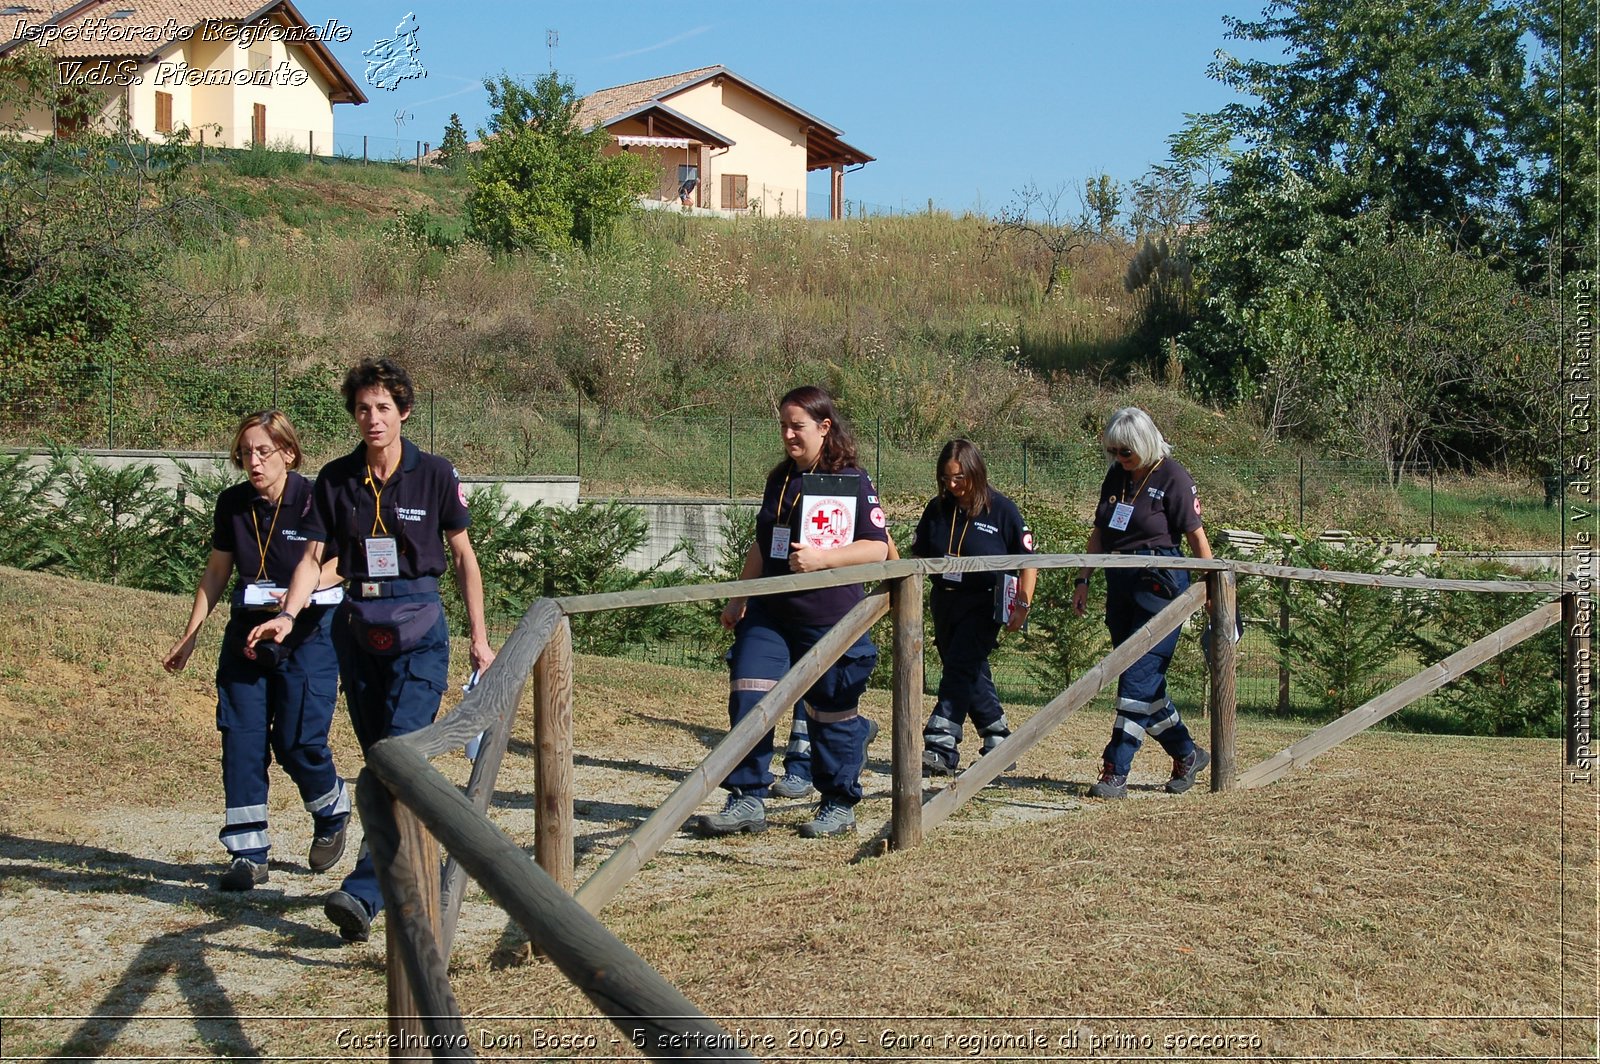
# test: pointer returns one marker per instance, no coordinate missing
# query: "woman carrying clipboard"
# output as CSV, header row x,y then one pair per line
x,y
820,511
969,518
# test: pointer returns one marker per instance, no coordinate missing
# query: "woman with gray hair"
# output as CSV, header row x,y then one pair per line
x,y
1148,505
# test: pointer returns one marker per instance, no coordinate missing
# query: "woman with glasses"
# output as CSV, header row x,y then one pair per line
x,y
804,526
968,518
1148,505
271,702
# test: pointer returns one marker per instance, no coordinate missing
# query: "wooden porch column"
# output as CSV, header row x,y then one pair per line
x,y
836,192
702,195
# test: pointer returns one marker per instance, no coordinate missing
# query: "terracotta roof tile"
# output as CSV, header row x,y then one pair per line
x,y
600,107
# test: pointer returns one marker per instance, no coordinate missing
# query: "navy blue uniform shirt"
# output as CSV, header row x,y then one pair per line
x,y
946,530
780,504
1167,505
243,523
422,500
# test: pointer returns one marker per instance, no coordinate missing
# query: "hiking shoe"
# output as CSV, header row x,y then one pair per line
x,y
832,819
327,849
791,786
1185,769
741,813
243,874
872,730
1112,784
349,914
934,765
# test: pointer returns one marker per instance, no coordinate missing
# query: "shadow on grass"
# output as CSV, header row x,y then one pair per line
x,y
182,955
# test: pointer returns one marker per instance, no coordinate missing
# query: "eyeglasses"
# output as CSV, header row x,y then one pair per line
x,y
1120,452
262,453
953,478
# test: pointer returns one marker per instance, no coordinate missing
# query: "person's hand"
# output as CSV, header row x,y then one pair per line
x,y
178,657
1019,617
1080,599
732,613
482,655
274,631
804,559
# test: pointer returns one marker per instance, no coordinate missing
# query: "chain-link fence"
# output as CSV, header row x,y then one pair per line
x,y
619,454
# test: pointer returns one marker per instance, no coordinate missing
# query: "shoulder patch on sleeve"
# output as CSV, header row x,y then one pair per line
x,y
1027,540
461,492
877,516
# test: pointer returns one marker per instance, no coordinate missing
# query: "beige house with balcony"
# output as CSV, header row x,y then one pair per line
x,y
235,72
723,143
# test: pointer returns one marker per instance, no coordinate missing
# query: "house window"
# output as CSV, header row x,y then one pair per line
x,y
735,192
258,125
163,112
260,59
688,181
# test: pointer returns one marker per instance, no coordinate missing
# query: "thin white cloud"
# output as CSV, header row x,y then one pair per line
x,y
470,86
697,31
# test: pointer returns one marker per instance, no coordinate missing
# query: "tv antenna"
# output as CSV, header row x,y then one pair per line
x,y
401,117
551,39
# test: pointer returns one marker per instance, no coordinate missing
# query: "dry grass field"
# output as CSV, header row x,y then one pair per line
x,y
1406,897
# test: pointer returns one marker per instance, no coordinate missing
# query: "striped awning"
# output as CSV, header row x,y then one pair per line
x,y
653,142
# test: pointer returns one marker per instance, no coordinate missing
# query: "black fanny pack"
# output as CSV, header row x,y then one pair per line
x,y
386,627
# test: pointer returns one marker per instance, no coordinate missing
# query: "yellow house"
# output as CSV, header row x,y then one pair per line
x,y
722,142
237,72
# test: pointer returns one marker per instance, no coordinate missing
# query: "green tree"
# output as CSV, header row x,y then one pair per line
x,y
542,182
453,153
87,225
1407,106
1558,136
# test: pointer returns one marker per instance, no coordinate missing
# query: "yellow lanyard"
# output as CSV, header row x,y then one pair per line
x,y
1142,483
261,570
377,505
964,530
796,501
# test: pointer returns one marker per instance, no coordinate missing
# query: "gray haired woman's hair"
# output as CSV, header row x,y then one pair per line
x,y
1132,428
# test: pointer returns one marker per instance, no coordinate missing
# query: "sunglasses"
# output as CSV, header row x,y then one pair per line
x,y
1120,452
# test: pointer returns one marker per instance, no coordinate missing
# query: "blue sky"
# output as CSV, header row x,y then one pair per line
x,y
962,103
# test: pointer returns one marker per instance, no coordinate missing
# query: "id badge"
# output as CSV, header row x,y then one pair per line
x,y
953,578
780,543
383,556
1121,516
262,594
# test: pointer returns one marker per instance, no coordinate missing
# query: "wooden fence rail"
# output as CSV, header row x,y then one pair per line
x,y
400,786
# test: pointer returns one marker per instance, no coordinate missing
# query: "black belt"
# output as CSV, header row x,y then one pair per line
x,y
372,589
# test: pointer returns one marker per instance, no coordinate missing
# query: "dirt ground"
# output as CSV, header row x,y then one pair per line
x,y
1406,897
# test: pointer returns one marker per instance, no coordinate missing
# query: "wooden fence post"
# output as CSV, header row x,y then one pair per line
x,y
905,730
1577,627
1224,676
419,854
552,736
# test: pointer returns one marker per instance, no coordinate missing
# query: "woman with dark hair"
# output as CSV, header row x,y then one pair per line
x,y
1148,505
969,518
275,703
394,518
807,523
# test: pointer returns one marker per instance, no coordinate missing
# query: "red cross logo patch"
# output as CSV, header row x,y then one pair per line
x,y
827,523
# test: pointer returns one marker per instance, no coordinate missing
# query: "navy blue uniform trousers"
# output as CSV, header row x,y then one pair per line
x,y
389,696
1143,706
764,648
283,713
965,633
